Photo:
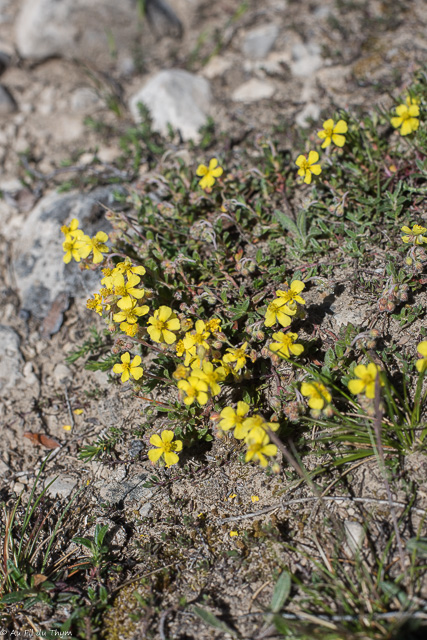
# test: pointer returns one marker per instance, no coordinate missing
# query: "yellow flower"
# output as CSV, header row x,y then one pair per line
x,y
366,379
307,166
214,325
165,447
95,303
414,235
210,375
233,418
259,447
126,268
96,244
130,315
181,372
164,322
277,311
332,133
209,173
406,118
127,290
195,389
238,356
71,247
128,368
422,363
317,393
197,338
285,344
292,293
129,329
72,229
253,424
255,498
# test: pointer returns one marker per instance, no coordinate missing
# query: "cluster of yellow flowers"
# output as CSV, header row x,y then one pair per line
x,y
330,134
252,429
406,120
77,245
281,310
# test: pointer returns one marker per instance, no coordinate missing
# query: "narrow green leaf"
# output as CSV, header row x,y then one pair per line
x,y
213,621
281,592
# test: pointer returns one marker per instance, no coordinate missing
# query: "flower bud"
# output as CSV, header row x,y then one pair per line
x,y
390,306
260,335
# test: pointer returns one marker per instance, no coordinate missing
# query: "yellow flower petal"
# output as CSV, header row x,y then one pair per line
x,y
313,157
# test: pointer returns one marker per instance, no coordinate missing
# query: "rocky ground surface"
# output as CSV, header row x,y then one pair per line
x,y
66,66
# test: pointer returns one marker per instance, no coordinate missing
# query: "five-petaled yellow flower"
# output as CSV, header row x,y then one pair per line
x,y
366,376
333,133
195,389
285,344
233,417
130,315
238,356
71,246
129,369
307,166
96,244
407,117
292,293
163,323
278,311
414,235
72,229
259,446
165,447
209,173
422,363
317,393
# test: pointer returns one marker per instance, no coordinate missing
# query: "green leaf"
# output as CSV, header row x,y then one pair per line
x,y
286,222
213,621
281,625
281,592
419,545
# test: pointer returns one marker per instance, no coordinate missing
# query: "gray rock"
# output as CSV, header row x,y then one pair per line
x,y
253,90
355,535
61,373
7,102
11,360
306,59
175,97
310,111
259,42
38,255
131,490
82,29
62,487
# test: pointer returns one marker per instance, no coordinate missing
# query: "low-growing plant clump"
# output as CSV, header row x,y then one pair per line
x,y
213,284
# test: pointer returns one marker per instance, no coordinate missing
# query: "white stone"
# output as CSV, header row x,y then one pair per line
x,y
175,97
84,98
306,59
259,42
61,374
62,487
76,28
216,67
11,360
310,111
253,90
355,535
